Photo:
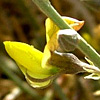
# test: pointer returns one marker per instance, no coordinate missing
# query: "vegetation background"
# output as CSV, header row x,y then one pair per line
x,y
21,20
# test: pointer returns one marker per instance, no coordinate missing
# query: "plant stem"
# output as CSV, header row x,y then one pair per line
x,y
89,52
48,10
83,46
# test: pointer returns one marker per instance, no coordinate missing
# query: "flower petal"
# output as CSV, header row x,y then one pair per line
x,y
39,84
51,36
52,28
28,58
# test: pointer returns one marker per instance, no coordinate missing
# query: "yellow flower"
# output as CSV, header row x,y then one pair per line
x,y
32,62
29,61
51,36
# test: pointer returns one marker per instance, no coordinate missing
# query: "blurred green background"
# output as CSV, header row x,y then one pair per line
x,y
21,20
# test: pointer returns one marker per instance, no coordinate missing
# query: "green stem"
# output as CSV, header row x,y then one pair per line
x,y
48,9
89,52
